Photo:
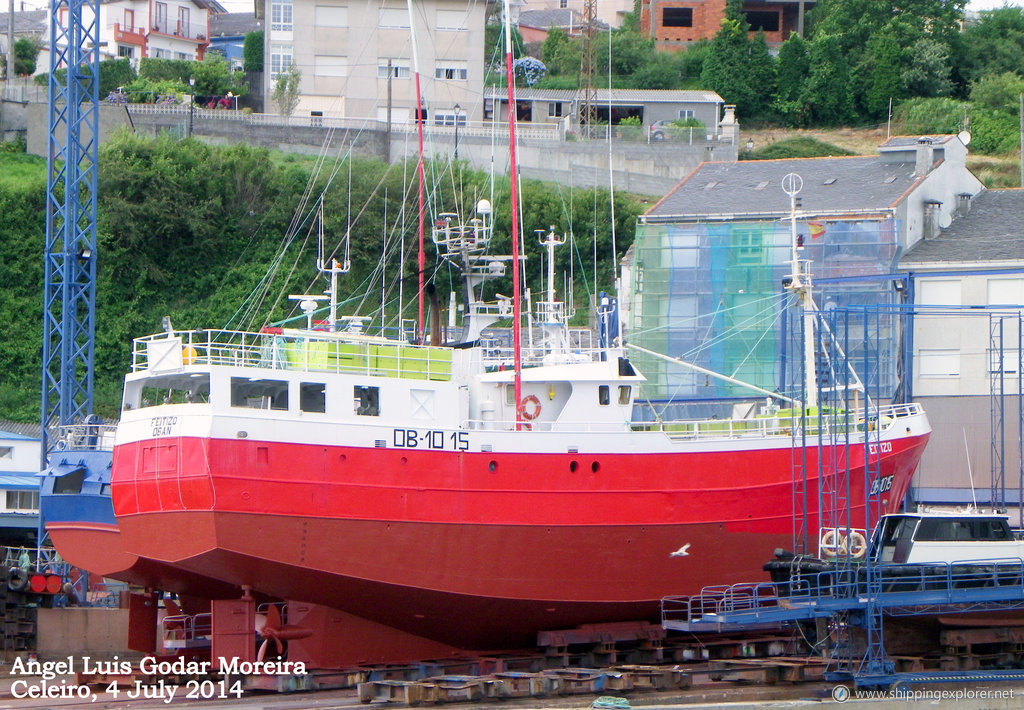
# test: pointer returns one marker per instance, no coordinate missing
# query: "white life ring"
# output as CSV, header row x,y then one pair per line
x,y
858,545
529,412
833,543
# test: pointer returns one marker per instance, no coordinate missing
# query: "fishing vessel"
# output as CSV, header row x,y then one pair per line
x,y
76,505
422,488
412,499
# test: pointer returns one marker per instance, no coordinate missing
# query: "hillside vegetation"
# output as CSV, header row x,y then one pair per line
x,y
218,237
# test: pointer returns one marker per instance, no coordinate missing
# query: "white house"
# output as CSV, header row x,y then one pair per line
x,y
353,56
171,29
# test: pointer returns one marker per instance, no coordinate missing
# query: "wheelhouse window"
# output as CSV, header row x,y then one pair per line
x,y
963,529
193,388
259,394
604,396
677,17
624,394
313,397
69,483
367,401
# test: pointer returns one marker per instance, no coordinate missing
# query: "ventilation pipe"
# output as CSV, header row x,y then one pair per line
x,y
924,156
963,204
932,215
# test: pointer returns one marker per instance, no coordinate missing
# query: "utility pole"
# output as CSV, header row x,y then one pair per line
x,y
10,45
588,105
387,126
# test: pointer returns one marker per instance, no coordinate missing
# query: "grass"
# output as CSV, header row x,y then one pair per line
x,y
17,169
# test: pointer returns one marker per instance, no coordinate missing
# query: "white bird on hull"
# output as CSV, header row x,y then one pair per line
x,y
683,551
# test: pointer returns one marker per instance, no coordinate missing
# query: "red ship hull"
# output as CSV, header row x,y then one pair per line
x,y
474,550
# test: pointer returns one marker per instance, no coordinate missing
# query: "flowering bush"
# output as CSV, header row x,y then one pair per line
x,y
529,69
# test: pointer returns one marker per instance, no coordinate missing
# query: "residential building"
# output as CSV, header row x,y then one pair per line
x,y
607,12
968,286
353,57
649,105
171,29
29,24
710,258
535,24
19,487
676,24
227,35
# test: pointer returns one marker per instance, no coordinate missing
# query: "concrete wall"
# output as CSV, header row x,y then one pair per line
x,y
652,169
93,631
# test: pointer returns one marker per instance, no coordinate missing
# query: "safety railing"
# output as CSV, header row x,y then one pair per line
x,y
91,437
183,631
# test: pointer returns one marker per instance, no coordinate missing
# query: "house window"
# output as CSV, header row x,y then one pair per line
x,y
399,70
488,108
453,20
393,18
127,52
685,113
129,21
182,55
1005,292
555,108
281,16
451,71
748,248
161,17
563,4
22,500
939,363
331,66
367,401
763,20
161,54
942,292
329,16
259,394
183,21
313,397
449,118
280,59
677,17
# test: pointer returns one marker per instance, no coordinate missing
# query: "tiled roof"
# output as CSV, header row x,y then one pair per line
x,y
546,19
19,430
234,24
853,184
993,231
617,95
26,22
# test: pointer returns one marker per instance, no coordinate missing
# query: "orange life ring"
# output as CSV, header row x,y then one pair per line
x,y
531,413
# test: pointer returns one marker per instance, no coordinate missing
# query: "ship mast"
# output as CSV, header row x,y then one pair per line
x,y
514,196
799,283
421,263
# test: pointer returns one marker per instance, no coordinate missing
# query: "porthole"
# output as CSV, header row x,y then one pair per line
x,y
573,465
492,466
595,467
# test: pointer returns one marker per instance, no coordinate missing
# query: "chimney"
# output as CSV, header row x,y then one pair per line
x,y
924,156
963,204
932,214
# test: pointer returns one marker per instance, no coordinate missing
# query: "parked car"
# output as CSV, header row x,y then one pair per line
x,y
659,129
667,128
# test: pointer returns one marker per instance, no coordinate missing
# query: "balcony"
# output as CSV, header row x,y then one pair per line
x,y
129,35
173,28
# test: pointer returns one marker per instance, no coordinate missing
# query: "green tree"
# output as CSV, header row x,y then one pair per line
x,y
999,92
560,54
928,70
726,70
26,51
762,72
214,77
630,52
664,71
880,74
252,51
827,92
995,43
287,86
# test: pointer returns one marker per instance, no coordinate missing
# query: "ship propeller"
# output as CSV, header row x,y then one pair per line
x,y
274,630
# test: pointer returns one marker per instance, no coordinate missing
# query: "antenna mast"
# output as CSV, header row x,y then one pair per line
x,y
588,104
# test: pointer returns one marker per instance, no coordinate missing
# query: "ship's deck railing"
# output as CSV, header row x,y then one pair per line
x,y
898,588
309,351
92,437
790,424
348,352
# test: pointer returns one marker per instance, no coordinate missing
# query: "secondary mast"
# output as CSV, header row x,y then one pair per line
x,y
514,196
